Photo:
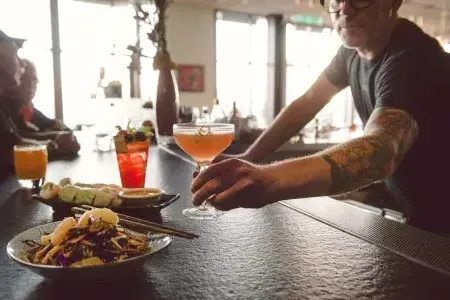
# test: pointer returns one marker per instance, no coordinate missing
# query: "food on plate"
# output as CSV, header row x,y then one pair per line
x,y
50,190
68,193
85,196
99,213
116,202
96,194
95,239
101,195
65,181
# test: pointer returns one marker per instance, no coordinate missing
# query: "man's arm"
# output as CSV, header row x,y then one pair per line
x,y
233,183
41,120
388,136
40,136
293,118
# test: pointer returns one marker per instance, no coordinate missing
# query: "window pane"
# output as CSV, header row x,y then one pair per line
x,y
233,85
308,53
94,38
232,41
259,41
242,71
38,44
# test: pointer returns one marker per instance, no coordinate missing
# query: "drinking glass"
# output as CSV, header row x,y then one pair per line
x,y
203,142
132,159
30,163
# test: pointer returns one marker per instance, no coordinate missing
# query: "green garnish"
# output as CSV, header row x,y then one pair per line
x,y
136,134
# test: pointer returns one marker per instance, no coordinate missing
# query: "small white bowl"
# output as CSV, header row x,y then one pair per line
x,y
139,196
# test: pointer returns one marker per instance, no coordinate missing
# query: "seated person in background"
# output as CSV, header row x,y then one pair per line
x,y
38,127
10,84
44,123
10,73
28,92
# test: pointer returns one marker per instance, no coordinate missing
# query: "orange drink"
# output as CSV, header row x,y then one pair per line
x,y
203,142
30,162
203,148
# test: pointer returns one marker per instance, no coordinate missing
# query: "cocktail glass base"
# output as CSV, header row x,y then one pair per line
x,y
199,213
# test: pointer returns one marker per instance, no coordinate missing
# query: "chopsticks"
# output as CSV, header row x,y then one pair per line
x,y
143,224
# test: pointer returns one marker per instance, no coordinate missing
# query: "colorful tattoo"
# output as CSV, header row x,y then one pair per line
x,y
388,136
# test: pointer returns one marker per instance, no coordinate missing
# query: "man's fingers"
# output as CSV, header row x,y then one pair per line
x,y
210,173
220,157
212,187
195,174
228,199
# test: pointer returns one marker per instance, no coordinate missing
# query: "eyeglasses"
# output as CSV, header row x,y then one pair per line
x,y
333,6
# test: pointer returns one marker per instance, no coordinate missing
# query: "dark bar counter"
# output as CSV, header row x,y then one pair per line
x,y
324,251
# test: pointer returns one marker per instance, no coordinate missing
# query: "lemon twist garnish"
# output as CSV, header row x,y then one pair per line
x,y
202,131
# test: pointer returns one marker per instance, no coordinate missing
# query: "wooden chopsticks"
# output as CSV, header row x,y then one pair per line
x,y
143,224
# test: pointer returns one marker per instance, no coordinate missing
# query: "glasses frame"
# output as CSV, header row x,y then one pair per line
x,y
322,2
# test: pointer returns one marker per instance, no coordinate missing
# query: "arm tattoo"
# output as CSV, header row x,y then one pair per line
x,y
388,136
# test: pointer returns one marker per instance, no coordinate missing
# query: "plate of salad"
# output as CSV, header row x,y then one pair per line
x,y
95,245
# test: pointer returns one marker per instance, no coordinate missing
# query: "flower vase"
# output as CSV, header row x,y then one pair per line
x,y
167,104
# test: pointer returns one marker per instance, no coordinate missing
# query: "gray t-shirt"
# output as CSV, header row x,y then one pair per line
x,y
412,74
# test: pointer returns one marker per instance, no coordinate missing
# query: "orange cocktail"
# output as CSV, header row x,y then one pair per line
x,y
30,162
203,148
203,142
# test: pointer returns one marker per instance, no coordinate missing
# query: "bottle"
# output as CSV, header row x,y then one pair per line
x,y
205,114
217,113
235,118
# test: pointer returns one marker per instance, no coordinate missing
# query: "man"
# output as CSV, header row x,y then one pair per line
x,y
399,78
38,127
10,73
28,91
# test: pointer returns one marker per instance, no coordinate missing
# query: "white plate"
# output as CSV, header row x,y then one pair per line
x,y
16,249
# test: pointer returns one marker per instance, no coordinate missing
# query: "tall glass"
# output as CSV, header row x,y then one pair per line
x,y
132,160
30,163
203,142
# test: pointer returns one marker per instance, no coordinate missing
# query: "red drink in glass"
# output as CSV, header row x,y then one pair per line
x,y
132,160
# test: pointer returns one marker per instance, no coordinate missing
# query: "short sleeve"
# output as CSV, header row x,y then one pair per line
x,y
402,82
336,72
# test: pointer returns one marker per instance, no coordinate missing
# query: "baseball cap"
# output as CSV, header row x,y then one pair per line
x,y
4,38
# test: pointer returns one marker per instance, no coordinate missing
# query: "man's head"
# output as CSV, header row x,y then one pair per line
x,y
10,67
29,82
361,23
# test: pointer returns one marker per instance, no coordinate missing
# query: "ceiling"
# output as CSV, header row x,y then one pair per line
x,y
432,14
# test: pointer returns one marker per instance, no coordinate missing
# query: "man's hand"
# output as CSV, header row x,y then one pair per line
x,y
222,157
67,144
58,126
235,183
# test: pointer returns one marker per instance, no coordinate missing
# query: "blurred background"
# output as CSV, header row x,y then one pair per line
x,y
257,56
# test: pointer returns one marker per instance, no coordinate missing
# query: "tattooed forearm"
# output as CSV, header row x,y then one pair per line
x,y
358,163
389,135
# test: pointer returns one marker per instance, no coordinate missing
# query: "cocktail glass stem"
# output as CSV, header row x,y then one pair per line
x,y
202,166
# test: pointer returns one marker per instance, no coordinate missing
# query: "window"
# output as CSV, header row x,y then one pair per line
x,y
242,64
308,52
33,24
94,38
